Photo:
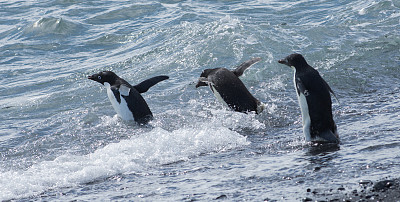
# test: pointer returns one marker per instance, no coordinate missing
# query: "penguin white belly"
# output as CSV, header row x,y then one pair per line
x,y
125,112
305,116
121,108
218,96
304,110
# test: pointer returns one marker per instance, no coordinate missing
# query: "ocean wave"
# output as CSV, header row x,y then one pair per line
x,y
136,11
137,154
52,25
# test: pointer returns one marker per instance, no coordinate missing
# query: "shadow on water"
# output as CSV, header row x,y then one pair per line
x,y
320,155
322,149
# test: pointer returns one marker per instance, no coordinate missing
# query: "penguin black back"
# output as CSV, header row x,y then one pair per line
x,y
229,89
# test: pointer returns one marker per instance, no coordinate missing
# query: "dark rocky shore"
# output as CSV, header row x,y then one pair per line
x,y
383,190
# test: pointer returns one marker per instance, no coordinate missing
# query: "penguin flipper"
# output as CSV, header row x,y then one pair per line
x,y
146,84
116,93
301,88
240,69
331,91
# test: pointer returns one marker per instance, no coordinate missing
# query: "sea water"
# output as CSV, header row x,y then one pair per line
x,y
60,139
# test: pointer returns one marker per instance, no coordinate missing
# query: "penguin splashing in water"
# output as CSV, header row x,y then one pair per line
x,y
125,98
229,89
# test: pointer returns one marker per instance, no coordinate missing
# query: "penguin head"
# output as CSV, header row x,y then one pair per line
x,y
203,77
104,76
294,60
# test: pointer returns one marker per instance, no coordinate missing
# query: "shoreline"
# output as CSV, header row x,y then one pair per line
x,y
382,190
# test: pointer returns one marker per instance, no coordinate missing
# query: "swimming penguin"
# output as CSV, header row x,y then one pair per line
x,y
229,89
126,99
315,102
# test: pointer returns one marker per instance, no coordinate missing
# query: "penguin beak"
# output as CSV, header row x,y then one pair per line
x,y
94,78
283,61
202,82
199,84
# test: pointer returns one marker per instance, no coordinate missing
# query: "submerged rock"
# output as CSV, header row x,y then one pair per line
x,y
383,185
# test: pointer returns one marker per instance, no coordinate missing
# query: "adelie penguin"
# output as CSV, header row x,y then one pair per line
x,y
315,101
125,98
229,89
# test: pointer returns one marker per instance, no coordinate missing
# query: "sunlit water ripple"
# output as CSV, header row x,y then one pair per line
x,y
60,138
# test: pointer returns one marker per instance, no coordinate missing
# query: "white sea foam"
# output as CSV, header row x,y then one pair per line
x,y
128,156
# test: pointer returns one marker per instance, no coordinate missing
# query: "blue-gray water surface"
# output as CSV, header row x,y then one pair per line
x,y
60,138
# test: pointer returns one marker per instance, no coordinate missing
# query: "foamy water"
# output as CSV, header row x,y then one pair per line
x,y
136,154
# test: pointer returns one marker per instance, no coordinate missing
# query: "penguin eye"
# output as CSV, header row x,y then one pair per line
x,y
99,77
